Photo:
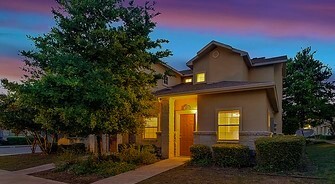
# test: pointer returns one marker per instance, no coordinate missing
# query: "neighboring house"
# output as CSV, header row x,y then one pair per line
x,y
224,97
323,129
5,133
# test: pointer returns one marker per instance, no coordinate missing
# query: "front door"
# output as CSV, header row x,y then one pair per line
x,y
186,133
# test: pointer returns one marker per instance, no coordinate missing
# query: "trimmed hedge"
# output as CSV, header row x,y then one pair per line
x,y
17,141
201,155
149,147
75,148
327,137
280,153
231,155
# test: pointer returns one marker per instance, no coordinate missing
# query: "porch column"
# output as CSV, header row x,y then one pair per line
x,y
167,127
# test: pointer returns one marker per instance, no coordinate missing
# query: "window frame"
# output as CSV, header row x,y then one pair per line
x,y
145,127
239,125
196,77
185,80
165,79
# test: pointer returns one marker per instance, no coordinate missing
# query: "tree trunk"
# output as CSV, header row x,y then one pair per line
x,y
99,144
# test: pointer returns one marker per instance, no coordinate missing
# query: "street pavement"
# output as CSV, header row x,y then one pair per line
x,y
15,150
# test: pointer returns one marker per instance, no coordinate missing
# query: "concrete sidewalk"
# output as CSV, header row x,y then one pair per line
x,y
35,169
7,177
330,141
144,172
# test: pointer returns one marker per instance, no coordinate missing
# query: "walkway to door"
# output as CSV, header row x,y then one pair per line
x,y
144,172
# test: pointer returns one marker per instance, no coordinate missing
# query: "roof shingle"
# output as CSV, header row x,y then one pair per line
x,y
194,88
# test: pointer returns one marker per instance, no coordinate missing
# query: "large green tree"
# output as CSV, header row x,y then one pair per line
x,y
91,74
308,93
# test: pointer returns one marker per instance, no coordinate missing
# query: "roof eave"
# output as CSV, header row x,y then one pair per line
x,y
171,68
222,90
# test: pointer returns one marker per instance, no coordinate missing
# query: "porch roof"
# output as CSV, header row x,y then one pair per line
x,y
221,87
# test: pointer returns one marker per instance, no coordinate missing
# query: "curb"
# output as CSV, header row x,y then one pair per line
x,y
15,146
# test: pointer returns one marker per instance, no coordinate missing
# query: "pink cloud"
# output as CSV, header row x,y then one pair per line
x,y
22,6
274,18
10,68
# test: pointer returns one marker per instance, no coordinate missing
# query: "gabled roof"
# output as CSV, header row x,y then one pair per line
x,y
250,62
212,45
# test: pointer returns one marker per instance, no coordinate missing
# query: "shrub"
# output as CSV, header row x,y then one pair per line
x,y
90,164
110,168
17,140
66,159
327,137
76,148
231,155
138,156
150,147
280,153
201,155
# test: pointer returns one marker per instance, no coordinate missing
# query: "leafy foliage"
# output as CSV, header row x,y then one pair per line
x,y
107,165
201,155
138,156
91,74
231,155
307,92
20,117
78,148
280,153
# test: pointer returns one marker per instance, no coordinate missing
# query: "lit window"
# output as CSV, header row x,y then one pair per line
x,y
188,80
201,77
165,80
228,125
150,129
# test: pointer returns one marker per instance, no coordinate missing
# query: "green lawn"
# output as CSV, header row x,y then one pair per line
x,y
18,162
323,157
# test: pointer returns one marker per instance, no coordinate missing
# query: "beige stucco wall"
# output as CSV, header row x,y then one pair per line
x,y
253,105
271,73
279,86
229,66
191,101
173,80
262,74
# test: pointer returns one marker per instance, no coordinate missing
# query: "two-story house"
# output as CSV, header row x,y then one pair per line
x,y
224,97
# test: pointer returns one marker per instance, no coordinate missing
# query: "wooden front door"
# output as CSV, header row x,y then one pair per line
x,y
186,133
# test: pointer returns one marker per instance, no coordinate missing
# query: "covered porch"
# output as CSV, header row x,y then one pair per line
x,y
178,123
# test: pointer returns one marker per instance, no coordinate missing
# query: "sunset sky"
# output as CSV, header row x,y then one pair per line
x,y
261,27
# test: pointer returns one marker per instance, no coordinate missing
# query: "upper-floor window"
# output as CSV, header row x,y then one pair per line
x,y
228,125
201,77
188,80
165,79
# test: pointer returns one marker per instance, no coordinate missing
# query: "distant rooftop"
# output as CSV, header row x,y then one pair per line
x,y
266,61
186,72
